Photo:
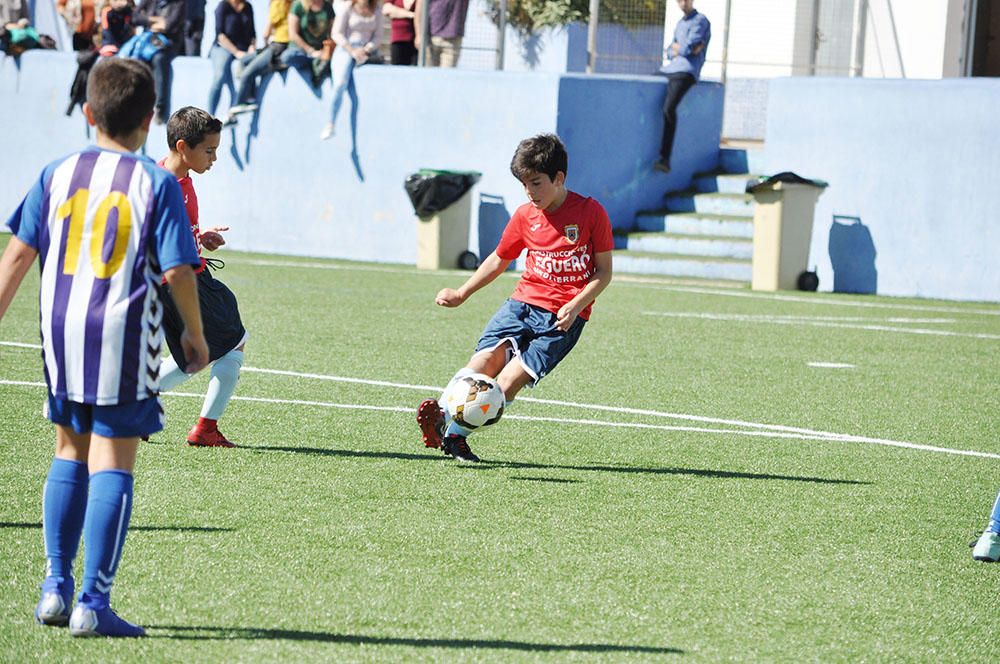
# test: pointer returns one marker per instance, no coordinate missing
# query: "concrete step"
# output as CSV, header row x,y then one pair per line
x,y
695,245
722,183
682,265
693,223
737,205
741,160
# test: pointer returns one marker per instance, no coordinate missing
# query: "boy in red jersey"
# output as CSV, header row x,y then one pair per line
x,y
193,136
568,264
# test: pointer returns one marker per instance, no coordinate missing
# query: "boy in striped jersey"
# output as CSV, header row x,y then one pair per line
x,y
105,224
193,137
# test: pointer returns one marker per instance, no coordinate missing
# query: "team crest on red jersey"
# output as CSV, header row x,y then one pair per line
x,y
572,233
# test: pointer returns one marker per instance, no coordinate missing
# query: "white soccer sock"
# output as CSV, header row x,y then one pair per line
x,y
225,375
171,375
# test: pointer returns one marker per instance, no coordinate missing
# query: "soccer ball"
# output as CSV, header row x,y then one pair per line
x,y
475,401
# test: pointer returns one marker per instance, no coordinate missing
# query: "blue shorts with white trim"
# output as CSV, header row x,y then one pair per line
x,y
130,420
533,336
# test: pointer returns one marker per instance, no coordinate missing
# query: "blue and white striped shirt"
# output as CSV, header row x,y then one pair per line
x,y
106,225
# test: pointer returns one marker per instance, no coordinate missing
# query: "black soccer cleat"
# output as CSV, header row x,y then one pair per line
x,y
456,446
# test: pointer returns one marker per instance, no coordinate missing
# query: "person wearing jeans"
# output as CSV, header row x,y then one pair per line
x,y
686,55
357,30
165,17
265,61
235,40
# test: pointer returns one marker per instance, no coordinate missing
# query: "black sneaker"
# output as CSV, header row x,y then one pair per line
x,y
457,447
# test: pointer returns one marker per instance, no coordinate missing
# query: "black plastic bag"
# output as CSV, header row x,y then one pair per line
x,y
432,191
784,176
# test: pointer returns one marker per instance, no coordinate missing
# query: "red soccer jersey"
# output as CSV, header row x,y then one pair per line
x,y
191,205
561,247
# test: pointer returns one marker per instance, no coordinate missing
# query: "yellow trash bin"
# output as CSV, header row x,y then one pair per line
x,y
442,201
782,229
443,237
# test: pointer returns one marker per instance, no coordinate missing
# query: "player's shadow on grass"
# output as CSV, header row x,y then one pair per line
x,y
132,528
249,633
520,465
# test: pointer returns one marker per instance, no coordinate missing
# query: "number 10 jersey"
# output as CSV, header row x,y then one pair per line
x,y
106,225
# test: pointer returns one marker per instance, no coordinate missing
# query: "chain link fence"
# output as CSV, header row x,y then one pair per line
x,y
752,42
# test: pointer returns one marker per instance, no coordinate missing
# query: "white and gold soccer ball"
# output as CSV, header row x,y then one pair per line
x,y
475,401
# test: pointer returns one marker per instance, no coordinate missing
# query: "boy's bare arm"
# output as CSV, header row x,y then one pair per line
x,y
598,282
15,263
491,268
184,289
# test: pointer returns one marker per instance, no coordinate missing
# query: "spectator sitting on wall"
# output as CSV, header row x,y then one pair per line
x,y
194,26
235,38
267,59
402,49
12,11
81,18
16,37
165,17
309,49
116,26
357,31
687,55
446,28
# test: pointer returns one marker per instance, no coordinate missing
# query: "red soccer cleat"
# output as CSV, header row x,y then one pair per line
x,y
200,438
430,417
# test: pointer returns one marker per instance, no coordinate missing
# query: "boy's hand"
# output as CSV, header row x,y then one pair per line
x,y
211,238
565,317
449,297
195,351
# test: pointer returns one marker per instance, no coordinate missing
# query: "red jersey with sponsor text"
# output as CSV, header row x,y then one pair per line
x,y
191,205
561,245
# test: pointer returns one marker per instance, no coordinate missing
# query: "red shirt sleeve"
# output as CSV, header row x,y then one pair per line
x,y
512,241
602,237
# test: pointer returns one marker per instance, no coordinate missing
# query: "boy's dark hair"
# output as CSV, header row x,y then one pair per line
x,y
543,153
192,125
120,94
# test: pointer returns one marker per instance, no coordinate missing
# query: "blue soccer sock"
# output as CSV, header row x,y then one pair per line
x,y
109,508
64,504
225,375
995,516
171,375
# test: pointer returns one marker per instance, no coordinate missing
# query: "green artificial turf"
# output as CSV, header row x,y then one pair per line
x,y
637,520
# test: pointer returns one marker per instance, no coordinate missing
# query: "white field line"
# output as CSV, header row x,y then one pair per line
x,y
775,320
643,282
819,436
15,344
817,301
759,430
830,365
355,268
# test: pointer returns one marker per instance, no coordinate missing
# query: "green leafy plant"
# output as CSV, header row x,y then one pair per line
x,y
532,15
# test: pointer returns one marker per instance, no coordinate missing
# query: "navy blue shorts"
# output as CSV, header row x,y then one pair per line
x,y
220,319
139,418
533,336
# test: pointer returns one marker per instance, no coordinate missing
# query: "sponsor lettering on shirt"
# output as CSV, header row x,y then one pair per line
x,y
568,266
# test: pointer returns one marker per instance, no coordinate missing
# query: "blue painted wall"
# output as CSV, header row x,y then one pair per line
x,y
915,161
283,190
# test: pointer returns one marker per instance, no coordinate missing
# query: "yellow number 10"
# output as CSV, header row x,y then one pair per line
x,y
75,208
